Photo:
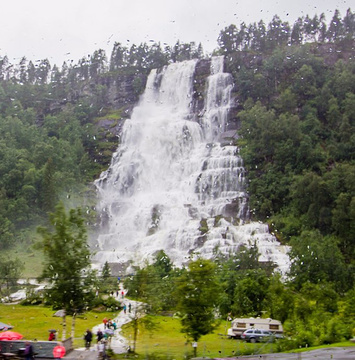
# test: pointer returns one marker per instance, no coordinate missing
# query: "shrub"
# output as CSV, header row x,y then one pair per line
x,y
336,331
305,338
106,304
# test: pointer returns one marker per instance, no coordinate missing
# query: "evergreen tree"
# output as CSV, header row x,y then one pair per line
x,y
335,30
106,272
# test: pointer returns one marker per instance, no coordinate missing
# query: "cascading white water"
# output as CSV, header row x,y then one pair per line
x,y
171,177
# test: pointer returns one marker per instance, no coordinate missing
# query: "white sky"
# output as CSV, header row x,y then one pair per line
x,y
72,29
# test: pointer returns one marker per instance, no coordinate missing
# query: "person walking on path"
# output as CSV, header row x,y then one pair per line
x,y
105,322
129,307
99,335
124,308
88,338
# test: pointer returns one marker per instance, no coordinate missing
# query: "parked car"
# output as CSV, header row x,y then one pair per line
x,y
239,325
259,335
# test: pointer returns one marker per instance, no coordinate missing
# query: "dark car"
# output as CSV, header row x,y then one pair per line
x,y
258,335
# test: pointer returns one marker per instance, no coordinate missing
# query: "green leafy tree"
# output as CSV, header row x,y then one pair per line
x,y
107,283
164,279
198,295
344,223
48,193
279,300
230,270
140,319
155,283
67,262
6,225
10,272
317,259
250,293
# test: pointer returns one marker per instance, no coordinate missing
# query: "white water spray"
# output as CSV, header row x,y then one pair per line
x,y
174,184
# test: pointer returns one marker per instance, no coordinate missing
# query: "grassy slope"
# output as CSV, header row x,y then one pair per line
x,y
33,322
31,259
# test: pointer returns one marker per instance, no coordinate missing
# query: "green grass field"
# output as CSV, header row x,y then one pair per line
x,y
168,341
31,260
33,322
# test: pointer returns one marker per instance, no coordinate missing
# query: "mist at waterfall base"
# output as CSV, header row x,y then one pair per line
x,y
176,182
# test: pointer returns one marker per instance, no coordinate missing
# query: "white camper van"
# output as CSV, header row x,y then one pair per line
x,y
239,325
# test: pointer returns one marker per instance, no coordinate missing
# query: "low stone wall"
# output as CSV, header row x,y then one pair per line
x,y
42,349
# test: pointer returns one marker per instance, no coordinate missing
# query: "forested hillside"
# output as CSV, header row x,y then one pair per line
x,y
294,98
297,137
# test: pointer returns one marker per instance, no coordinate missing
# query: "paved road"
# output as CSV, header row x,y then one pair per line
x,y
345,353
339,353
82,355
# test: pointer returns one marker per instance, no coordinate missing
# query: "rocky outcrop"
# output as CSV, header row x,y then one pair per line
x,y
202,71
123,90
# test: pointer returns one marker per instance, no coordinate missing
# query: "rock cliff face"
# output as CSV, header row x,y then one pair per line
x,y
123,92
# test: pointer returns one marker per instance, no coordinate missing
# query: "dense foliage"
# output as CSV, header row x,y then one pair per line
x,y
240,286
265,38
298,145
67,268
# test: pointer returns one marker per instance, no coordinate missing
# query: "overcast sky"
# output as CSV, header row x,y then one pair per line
x,y
72,29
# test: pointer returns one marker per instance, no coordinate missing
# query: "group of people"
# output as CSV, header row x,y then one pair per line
x,y
104,337
125,308
112,293
109,324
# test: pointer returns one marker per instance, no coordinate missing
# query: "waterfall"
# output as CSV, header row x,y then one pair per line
x,y
177,184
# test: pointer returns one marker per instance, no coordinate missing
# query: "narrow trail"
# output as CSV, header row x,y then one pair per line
x,y
118,343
